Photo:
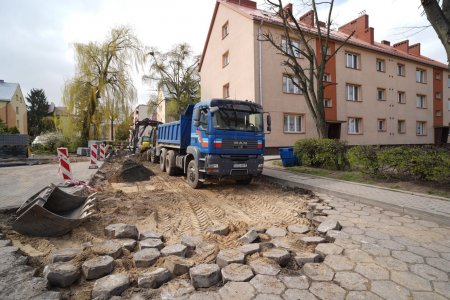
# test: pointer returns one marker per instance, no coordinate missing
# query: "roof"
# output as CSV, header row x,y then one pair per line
x,y
270,17
7,90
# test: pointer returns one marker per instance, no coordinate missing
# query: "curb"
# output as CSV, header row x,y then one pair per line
x,y
442,219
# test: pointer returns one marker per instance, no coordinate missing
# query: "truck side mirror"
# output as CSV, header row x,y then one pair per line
x,y
196,117
269,123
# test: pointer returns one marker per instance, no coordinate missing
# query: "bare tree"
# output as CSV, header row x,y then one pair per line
x,y
438,13
306,75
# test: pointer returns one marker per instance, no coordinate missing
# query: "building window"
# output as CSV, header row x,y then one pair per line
x,y
293,123
292,49
225,30
225,59
421,127
437,76
421,101
401,126
17,123
380,65
448,104
352,60
438,95
400,69
421,76
354,125
401,97
226,91
327,77
353,92
381,94
17,110
290,85
381,124
327,103
438,113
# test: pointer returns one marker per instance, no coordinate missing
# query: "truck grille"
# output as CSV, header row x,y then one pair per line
x,y
239,145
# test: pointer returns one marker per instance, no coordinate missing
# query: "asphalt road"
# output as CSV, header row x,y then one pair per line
x,y
17,184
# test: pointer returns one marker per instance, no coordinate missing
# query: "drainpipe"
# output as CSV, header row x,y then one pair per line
x,y
260,63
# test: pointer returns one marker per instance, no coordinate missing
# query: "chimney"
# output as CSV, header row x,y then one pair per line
x,y
245,3
414,49
402,46
387,43
322,24
308,18
361,28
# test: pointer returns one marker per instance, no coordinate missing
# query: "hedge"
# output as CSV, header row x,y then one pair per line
x,y
327,153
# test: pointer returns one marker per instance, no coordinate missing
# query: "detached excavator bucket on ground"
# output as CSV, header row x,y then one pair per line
x,y
52,212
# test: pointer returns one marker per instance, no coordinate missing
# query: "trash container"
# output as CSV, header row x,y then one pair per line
x,y
288,158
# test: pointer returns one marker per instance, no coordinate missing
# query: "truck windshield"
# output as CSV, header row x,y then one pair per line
x,y
227,119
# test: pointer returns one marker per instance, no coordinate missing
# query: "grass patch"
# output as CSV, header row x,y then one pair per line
x,y
429,188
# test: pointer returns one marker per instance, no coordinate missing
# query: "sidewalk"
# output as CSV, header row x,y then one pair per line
x,y
419,205
19,183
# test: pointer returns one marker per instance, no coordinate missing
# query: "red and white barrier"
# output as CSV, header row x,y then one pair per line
x,y
94,151
102,151
64,164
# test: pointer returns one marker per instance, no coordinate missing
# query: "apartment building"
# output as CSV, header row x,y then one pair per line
x,y
376,92
13,110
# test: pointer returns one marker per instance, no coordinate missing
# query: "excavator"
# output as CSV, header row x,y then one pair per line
x,y
140,143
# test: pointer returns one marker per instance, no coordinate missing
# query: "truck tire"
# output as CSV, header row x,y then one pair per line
x,y
162,159
147,155
170,163
153,157
245,181
192,175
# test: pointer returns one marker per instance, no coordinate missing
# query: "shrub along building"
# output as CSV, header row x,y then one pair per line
x,y
376,93
13,110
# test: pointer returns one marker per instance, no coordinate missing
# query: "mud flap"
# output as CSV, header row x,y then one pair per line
x,y
52,212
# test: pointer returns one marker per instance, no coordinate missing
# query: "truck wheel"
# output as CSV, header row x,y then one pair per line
x,y
162,159
170,163
147,155
245,181
192,175
153,157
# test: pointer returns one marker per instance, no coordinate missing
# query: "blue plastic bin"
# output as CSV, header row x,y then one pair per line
x,y
288,158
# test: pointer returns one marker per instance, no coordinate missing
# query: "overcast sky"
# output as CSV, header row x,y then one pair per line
x,y
36,47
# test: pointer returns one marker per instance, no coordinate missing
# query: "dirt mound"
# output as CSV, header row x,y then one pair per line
x,y
132,171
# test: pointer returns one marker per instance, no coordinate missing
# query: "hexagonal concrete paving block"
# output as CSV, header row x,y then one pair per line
x,y
317,271
237,272
65,255
154,279
427,296
177,265
391,263
339,263
229,256
97,267
111,285
362,295
176,250
375,250
267,284
177,288
327,290
274,232
237,290
298,228
146,258
108,247
407,257
249,237
328,249
428,272
151,243
121,230
61,274
372,271
296,294
281,256
327,225
264,266
150,235
357,255
306,257
351,281
440,263
422,251
128,244
300,282
442,287
219,229
249,248
205,275
208,295
389,290
268,297
411,281
191,241
311,240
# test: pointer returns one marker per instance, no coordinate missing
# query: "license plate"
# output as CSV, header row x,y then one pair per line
x,y
239,165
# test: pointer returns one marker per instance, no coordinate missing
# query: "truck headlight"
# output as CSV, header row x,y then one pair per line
x,y
213,166
260,166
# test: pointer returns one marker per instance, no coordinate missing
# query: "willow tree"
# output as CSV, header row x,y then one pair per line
x,y
102,88
176,74
299,40
438,14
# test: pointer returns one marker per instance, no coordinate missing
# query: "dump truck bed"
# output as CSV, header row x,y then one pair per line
x,y
177,134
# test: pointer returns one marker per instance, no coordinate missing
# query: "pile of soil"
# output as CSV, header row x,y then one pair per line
x,y
132,171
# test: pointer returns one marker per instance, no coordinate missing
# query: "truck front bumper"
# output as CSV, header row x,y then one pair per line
x,y
234,166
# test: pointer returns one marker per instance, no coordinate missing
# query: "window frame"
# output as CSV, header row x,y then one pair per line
x,y
383,127
399,127
358,125
437,76
382,64
399,100
284,46
225,30
326,77
401,70
421,76
225,59
357,94
423,101
383,91
438,96
285,85
327,100
438,113
423,127
356,60
226,90
298,126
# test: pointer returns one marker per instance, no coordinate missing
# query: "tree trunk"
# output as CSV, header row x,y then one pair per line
x,y
439,19
112,130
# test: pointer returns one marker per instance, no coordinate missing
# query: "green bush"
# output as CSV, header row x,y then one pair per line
x,y
405,163
327,153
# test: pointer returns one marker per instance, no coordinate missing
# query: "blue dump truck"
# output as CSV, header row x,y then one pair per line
x,y
212,140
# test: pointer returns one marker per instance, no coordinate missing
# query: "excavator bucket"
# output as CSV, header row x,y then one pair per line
x,y
52,212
